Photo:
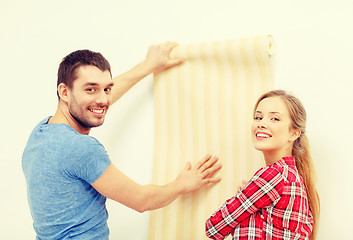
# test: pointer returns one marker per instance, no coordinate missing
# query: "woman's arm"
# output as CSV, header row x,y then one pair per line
x,y
262,190
157,60
117,186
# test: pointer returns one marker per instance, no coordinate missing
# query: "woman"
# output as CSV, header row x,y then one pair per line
x,y
280,201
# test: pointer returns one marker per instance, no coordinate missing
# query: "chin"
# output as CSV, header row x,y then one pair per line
x,y
262,148
97,124
92,124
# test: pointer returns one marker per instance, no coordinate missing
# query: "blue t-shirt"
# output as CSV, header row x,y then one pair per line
x,y
60,165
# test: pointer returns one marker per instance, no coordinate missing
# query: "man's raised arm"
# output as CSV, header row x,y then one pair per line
x,y
157,60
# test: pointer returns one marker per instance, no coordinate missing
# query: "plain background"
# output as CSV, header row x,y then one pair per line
x,y
313,60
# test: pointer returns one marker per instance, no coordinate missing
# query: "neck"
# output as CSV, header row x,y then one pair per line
x,y
62,115
273,156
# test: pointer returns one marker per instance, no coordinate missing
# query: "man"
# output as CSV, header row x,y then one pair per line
x,y
69,174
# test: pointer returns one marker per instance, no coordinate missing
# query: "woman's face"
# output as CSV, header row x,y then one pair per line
x,y
271,129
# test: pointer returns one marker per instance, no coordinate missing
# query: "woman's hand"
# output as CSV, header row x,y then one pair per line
x,y
242,185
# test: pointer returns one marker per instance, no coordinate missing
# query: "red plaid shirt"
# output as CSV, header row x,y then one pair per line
x,y
273,205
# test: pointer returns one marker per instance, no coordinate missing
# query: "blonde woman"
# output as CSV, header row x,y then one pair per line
x,y
280,201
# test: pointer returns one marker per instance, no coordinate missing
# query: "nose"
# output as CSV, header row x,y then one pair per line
x,y
102,99
261,124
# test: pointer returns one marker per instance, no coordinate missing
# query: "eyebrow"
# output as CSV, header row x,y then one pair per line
x,y
96,84
270,112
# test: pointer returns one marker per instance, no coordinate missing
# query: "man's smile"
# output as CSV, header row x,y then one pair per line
x,y
100,111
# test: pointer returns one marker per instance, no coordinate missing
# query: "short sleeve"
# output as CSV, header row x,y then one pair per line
x,y
89,160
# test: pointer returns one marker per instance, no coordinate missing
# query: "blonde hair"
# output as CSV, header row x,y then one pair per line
x,y
300,151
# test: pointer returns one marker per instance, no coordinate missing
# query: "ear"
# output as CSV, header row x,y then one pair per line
x,y
295,134
64,92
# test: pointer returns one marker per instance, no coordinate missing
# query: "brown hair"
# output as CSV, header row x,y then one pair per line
x,y
67,72
300,151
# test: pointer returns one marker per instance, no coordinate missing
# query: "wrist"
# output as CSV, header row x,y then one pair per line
x,y
145,68
178,187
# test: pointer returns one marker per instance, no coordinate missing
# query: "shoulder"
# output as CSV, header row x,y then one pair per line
x,y
84,146
69,136
65,139
267,173
267,179
85,140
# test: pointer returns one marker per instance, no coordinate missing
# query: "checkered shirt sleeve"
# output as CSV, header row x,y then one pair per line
x,y
263,190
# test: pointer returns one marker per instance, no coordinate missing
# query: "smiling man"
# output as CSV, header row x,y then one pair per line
x,y
69,174
84,102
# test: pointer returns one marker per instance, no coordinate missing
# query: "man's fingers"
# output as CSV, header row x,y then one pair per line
x,y
159,57
211,170
174,61
188,166
165,47
207,164
212,180
202,161
168,45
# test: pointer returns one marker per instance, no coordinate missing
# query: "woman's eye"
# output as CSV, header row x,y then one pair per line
x,y
107,89
89,89
275,119
257,118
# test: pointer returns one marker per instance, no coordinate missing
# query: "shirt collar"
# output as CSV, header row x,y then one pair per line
x,y
286,161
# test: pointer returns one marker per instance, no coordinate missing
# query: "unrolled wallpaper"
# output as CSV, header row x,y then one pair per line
x,y
204,106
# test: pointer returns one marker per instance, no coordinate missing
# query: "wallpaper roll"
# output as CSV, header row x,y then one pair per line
x,y
204,106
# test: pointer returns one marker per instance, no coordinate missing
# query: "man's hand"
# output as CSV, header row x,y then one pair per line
x,y
194,178
158,57
157,60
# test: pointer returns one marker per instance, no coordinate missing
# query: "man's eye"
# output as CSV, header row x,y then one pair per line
x,y
107,89
89,89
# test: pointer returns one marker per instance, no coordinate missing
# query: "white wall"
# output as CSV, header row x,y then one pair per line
x,y
313,60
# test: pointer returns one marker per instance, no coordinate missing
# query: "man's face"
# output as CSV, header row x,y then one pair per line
x,y
90,96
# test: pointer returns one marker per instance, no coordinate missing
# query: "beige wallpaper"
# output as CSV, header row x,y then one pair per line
x,y
205,107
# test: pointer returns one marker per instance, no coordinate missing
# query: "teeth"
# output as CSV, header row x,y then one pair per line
x,y
97,110
262,135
